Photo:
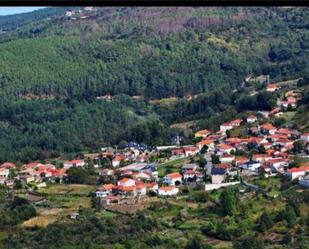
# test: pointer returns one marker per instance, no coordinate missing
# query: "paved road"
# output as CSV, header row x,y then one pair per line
x,y
209,163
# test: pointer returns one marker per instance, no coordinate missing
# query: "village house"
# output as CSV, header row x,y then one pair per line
x,y
8,165
284,132
152,186
305,137
168,191
241,160
264,114
4,173
251,165
105,190
117,160
126,182
226,126
189,166
268,128
26,178
295,173
278,163
173,179
291,101
224,149
74,163
141,176
141,188
285,142
236,122
209,143
272,87
218,175
227,158
190,150
178,152
251,119
2,180
58,174
69,13
9,183
32,165
106,172
202,133
189,175
304,181
261,157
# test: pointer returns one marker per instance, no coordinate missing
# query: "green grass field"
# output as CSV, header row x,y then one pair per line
x,y
79,189
171,166
107,214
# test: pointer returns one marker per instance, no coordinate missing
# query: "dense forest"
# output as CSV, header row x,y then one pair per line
x,y
53,68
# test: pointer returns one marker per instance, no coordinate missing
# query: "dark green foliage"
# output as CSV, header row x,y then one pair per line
x,y
229,201
17,211
195,243
265,222
78,175
215,159
249,243
289,215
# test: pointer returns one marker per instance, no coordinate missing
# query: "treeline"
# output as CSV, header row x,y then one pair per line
x,y
210,106
15,212
39,129
92,231
78,59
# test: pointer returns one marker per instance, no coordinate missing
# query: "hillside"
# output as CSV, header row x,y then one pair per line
x,y
53,66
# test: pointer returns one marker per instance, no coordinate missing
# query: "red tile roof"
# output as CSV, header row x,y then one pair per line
x,y
300,169
167,188
174,175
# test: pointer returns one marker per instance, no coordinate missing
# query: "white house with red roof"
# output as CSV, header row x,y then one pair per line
x,y
285,142
189,174
268,128
190,150
226,126
74,163
295,173
8,165
236,122
168,191
117,160
141,175
251,119
105,190
227,158
202,133
126,182
291,101
278,163
284,132
152,186
209,143
141,188
261,157
241,160
32,165
173,179
225,148
4,172
272,87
